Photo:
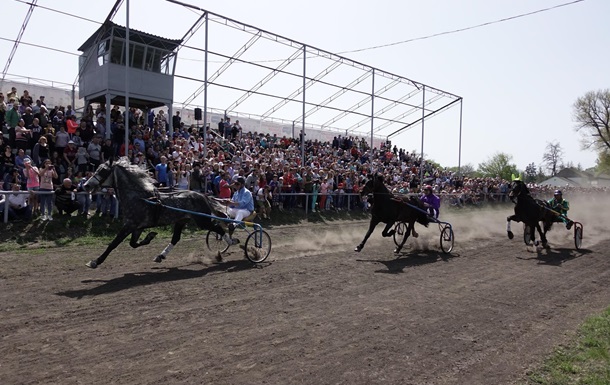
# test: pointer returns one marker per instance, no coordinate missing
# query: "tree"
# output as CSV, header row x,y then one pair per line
x,y
465,170
531,173
603,162
499,165
592,114
553,157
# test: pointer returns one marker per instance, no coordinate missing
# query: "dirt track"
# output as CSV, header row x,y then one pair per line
x,y
318,313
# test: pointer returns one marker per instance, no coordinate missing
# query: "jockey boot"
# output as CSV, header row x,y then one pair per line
x,y
230,240
569,225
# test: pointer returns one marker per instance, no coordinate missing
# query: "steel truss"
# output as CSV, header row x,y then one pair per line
x,y
391,105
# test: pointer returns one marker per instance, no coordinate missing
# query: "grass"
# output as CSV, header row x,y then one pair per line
x,y
36,236
585,361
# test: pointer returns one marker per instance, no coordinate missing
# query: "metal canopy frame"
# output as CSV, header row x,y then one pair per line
x,y
389,103
310,86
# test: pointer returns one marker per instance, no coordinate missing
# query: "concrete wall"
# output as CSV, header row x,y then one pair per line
x,y
60,95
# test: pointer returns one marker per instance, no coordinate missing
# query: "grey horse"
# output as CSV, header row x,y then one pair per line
x,y
144,206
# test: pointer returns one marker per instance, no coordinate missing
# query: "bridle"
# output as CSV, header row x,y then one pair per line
x,y
101,182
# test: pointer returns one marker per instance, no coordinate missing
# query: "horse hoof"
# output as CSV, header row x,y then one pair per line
x,y
396,251
358,248
91,264
159,258
218,257
510,235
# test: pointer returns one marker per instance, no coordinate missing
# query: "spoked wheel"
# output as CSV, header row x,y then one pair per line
x,y
215,242
527,237
447,239
399,232
258,246
578,235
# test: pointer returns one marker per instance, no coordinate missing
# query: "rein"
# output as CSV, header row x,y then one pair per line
x,y
256,226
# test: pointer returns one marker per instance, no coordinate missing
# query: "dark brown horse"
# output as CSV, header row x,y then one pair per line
x,y
389,209
530,211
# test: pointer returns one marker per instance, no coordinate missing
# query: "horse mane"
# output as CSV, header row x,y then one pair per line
x,y
139,176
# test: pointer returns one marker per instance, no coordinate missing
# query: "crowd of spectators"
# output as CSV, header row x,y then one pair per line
x,y
65,148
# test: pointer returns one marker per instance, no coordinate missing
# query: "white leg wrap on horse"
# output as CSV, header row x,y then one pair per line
x,y
508,226
167,250
226,238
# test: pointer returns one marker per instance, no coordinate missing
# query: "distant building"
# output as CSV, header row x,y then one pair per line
x,y
577,178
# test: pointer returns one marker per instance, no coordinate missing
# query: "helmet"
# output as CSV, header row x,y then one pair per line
x,y
428,187
557,192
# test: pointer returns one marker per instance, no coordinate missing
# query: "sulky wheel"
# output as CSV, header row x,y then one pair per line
x,y
399,232
578,236
216,243
258,246
527,235
447,238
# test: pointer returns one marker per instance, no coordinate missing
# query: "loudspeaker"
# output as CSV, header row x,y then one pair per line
x,y
198,114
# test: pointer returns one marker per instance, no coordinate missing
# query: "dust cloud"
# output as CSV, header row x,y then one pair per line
x,y
473,228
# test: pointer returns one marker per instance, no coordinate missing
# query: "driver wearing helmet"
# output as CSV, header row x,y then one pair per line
x,y
431,202
561,206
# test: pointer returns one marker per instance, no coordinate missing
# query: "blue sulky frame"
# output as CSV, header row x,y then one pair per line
x,y
256,252
447,237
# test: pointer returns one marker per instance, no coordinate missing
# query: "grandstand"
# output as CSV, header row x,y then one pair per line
x,y
311,89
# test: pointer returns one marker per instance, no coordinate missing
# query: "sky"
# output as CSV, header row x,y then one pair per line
x,y
518,78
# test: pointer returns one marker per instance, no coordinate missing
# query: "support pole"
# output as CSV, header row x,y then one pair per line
x,y
74,99
460,141
423,115
372,107
205,92
127,78
108,120
304,101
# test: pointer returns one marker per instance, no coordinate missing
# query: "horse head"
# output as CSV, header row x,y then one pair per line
x,y
518,189
101,178
367,188
373,185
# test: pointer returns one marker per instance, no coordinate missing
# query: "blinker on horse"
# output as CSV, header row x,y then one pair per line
x,y
389,209
134,187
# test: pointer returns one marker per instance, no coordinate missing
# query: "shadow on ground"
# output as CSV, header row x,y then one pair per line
x,y
131,280
412,259
555,257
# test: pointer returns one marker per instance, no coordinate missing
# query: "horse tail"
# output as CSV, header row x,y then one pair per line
x,y
423,219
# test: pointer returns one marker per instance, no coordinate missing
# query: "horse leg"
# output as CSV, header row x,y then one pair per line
x,y
386,230
149,237
133,241
410,227
542,233
178,226
372,225
508,219
120,237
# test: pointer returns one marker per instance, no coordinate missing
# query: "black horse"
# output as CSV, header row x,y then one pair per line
x,y
144,206
390,209
530,211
